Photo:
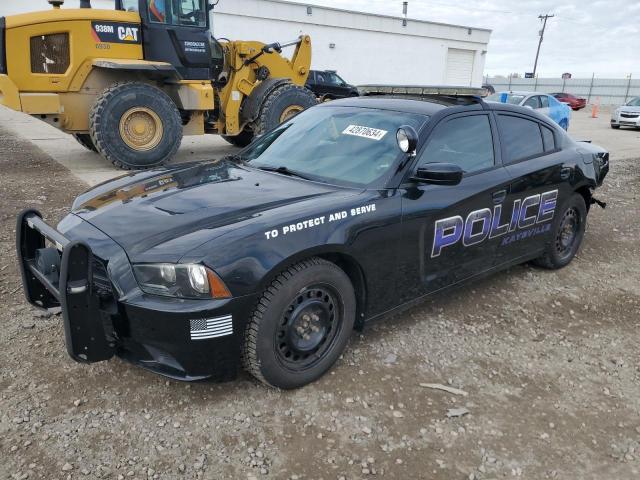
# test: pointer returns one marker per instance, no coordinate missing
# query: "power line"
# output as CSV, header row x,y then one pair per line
x,y
544,19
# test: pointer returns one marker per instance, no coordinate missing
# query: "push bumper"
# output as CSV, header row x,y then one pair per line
x,y
164,335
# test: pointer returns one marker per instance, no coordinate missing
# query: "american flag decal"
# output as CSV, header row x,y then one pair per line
x,y
204,328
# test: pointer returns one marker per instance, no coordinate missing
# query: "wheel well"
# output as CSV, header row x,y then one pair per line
x,y
355,274
586,194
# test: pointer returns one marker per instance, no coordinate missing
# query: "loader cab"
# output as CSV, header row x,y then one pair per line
x,y
178,32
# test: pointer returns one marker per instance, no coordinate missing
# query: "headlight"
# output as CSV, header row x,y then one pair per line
x,y
178,280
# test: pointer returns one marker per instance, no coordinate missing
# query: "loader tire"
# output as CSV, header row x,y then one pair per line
x,y
135,125
243,139
84,139
282,104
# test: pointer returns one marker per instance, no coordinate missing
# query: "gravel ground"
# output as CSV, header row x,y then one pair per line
x,y
548,362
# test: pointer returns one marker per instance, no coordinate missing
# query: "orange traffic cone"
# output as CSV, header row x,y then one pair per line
x,y
595,108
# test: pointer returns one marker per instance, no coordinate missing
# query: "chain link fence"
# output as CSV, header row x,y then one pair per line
x,y
609,91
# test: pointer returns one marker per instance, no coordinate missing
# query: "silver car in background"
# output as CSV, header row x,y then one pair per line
x,y
628,115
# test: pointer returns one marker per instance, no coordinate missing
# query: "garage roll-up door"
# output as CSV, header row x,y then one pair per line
x,y
459,66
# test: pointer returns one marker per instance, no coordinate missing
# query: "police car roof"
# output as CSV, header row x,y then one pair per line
x,y
430,105
427,105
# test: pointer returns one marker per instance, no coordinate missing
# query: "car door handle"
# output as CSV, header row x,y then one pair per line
x,y
499,196
565,173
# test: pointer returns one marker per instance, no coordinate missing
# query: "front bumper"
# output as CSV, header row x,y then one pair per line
x,y
101,319
626,119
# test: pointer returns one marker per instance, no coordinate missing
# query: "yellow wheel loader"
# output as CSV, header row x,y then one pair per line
x,y
128,83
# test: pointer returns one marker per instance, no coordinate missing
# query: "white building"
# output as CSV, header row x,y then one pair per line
x,y
364,48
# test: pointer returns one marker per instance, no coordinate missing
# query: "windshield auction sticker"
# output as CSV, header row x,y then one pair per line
x,y
364,132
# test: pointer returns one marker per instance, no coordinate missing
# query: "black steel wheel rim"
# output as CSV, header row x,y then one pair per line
x,y
308,327
568,232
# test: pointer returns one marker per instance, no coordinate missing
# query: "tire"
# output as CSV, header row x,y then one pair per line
x,y
313,291
114,136
84,139
243,139
282,104
615,127
560,250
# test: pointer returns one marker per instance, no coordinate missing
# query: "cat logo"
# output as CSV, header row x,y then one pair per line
x,y
116,32
128,34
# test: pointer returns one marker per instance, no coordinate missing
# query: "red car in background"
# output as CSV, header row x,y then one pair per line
x,y
576,103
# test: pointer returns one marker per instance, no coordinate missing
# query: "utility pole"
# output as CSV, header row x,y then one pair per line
x,y
544,19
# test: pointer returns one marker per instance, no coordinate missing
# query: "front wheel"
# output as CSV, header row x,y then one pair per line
x,y
301,325
567,234
135,125
615,127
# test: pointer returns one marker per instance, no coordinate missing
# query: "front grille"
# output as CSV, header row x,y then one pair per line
x,y
50,53
100,279
630,115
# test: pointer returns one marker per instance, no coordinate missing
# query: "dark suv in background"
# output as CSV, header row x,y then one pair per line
x,y
327,85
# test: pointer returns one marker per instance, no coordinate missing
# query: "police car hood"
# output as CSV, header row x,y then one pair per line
x,y
160,215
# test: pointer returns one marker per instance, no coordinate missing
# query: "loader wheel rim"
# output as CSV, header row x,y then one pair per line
x,y
141,128
290,112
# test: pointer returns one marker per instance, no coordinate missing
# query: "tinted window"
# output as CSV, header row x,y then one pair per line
x,y
520,137
531,102
547,137
544,101
464,141
178,12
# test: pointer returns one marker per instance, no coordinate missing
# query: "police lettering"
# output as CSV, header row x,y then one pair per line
x,y
485,223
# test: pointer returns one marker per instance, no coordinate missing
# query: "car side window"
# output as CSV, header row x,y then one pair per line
x,y
520,137
463,141
544,101
531,102
548,138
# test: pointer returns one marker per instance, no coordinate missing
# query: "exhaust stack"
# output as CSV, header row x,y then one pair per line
x,y
85,3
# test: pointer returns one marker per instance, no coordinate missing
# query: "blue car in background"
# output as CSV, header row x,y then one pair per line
x,y
543,103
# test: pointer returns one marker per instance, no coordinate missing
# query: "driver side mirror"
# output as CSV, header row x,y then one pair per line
x,y
439,174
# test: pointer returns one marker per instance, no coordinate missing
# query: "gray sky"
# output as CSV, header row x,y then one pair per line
x,y
599,36
585,37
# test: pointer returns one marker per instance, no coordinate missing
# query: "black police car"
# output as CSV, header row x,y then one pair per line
x,y
349,211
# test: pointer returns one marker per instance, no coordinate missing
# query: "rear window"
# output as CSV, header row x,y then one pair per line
x,y
548,139
520,137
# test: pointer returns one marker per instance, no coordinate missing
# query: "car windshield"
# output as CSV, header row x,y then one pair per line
x,y
346,146
634,103
503,97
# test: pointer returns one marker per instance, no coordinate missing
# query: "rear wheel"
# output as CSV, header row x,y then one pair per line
x,y
568,232
282,104
135,125
84,139
301,325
